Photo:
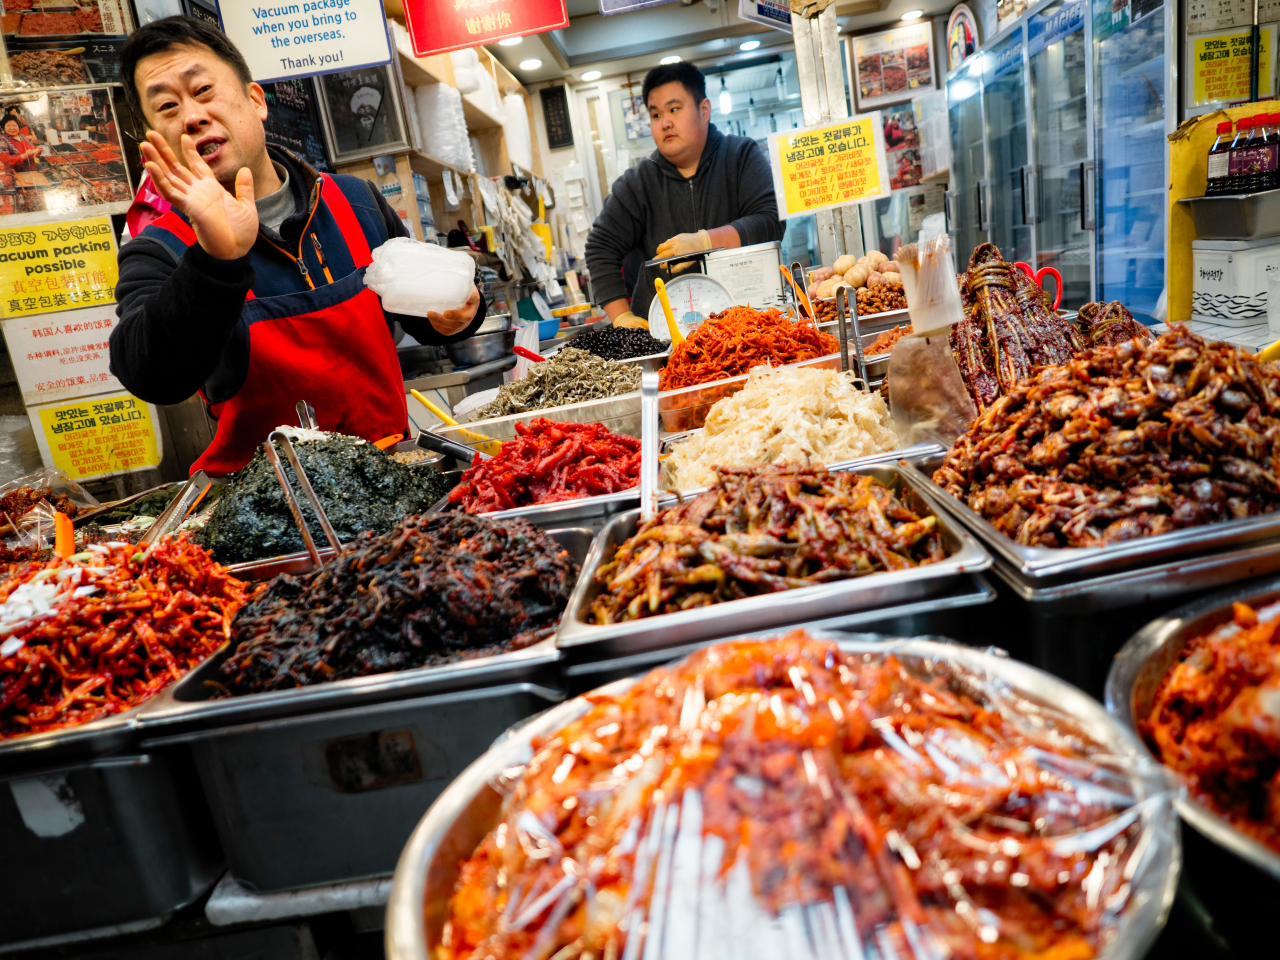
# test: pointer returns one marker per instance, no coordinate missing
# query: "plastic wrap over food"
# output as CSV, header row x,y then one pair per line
x,y
787,798
420,278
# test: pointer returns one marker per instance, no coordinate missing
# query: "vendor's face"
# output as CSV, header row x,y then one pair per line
x,y
678,125
189,89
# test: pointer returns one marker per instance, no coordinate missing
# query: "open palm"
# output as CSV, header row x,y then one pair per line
x,y
226,226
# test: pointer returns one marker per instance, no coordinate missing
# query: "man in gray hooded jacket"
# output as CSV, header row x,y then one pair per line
x,y
699,190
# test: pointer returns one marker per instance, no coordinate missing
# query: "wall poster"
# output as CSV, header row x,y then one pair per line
x,y
361,110
902,146
891,66
963,36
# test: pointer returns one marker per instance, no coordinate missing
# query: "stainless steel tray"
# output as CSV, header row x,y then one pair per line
x,y
875,322
187,705
1136,674
1239,216
459,820
580,639
1046,564
590,512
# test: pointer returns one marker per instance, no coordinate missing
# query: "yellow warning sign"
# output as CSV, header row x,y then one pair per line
x,y
1221,65
58,266
98,436
830,165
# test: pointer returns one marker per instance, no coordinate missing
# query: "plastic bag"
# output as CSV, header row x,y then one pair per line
x,y
443,125
516,128
906,800
420,278
929,282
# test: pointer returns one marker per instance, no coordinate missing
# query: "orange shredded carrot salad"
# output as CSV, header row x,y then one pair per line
x,y
730,343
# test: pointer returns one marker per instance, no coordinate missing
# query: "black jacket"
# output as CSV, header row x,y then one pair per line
x,y
180,324
652,202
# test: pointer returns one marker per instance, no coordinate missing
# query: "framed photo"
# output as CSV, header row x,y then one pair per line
x,y
362,113
892,66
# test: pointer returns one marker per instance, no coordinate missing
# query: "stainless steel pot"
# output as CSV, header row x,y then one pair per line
x,y
481,348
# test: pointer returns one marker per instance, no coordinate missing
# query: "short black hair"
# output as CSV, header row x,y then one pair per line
x,y
683,73
7,118
160,35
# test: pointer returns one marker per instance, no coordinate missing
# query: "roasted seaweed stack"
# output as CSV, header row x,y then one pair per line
x,y
361,489
433,590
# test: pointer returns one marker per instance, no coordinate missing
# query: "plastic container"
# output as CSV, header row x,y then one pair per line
x,y
420,278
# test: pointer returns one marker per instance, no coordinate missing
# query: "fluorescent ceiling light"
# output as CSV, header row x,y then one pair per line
x,y
669,60
510,41
726,99
750,45
913,15
530,64
591,75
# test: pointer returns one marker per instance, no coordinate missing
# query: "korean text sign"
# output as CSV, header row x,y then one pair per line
x,y
60,266
98,436
281,39
830,165
438,26
1221,64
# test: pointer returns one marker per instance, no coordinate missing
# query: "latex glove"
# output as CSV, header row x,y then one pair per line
x,y
684,243
629,319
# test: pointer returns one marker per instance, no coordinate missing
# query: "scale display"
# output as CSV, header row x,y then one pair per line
x,y
693,299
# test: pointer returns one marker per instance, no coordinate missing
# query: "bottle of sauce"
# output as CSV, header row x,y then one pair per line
x,y
1273,142
1220,161
1237,165
1262,155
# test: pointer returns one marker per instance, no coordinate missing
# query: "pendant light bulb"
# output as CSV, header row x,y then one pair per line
x,y
751,110
773,123
780,84
726,99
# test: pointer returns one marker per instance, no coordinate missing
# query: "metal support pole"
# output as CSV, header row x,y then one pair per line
x,y
820,71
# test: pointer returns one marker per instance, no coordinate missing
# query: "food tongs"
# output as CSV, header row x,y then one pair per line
x,y
842,309
273,457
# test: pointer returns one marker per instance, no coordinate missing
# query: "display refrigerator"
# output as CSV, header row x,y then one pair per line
x,y
1057,136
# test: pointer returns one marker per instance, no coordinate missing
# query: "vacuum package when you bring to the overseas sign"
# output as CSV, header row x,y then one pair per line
x,y
829,165
281,39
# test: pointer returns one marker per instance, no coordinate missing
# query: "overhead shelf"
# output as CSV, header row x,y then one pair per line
x,y
421,72
430,167
477,117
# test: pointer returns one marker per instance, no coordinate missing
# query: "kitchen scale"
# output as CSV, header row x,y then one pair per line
x,y
694,297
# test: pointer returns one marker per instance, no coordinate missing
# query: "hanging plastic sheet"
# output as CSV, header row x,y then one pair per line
x,y
785,798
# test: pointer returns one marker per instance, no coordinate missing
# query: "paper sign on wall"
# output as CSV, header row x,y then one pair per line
x,y
57,267
98,436
771,13
828,166
1221,64
284,40
62,356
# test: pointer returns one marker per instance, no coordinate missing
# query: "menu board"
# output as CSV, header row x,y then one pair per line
x,y
293,120
891,66
826,166
72,43
60,155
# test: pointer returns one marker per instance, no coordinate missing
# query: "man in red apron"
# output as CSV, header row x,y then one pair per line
x,y
251,289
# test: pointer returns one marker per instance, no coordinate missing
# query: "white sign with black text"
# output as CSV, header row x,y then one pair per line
x,y
281,40
772,13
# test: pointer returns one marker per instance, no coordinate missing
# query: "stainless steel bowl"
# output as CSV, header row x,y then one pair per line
x,y
494,323
481,348
1236,878
466,811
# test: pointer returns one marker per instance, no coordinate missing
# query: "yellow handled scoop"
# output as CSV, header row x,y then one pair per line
x,y
1267,354
486,445
661,289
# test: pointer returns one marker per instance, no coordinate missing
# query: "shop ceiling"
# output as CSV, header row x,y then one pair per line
x,y
709,35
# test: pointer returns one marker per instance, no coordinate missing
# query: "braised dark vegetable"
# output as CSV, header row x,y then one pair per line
x,y
433,590
361,489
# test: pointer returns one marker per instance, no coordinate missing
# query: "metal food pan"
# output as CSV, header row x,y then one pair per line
x,y
188,704
1056,564
332,797
1239,216
1234,876
590,512
685,408
875,322
946,615
108,843
581,640
460,819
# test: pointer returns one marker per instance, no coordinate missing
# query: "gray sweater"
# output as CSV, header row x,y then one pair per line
x,y
652,202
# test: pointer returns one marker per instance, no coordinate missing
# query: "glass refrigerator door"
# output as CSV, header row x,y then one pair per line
x,y
1060,131
1004,94
968,196
1129,95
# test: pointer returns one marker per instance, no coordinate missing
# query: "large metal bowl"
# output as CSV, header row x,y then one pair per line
x,y
481,348
462,816
1241,877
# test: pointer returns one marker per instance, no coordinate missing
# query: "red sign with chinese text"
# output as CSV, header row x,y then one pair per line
x,y
438,26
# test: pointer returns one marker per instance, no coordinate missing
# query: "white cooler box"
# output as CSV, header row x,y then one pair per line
x,y
1229,286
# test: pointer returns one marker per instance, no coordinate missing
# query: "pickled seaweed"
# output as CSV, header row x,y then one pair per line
x,y
361,489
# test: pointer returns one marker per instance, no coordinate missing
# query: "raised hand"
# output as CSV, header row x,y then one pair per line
x,y
226,226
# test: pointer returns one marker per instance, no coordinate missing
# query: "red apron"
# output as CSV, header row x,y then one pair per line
x,y
339,357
